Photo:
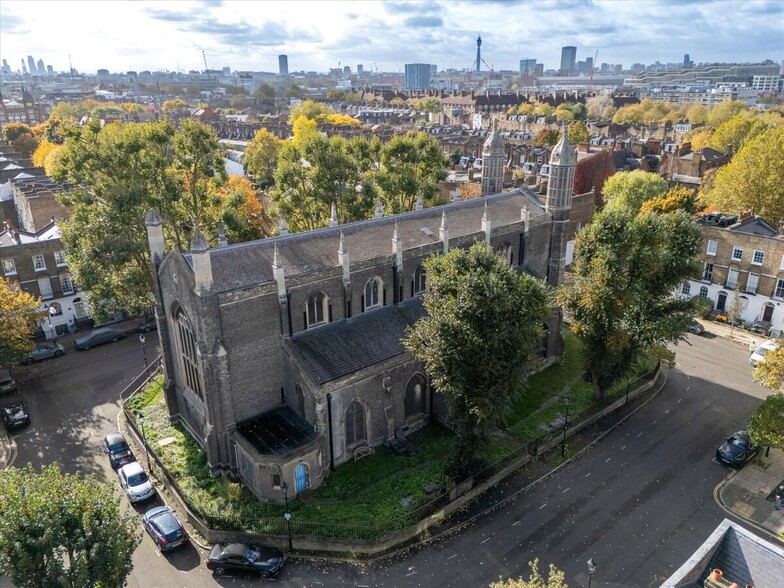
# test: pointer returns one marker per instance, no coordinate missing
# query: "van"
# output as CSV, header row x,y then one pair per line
x,y
7,383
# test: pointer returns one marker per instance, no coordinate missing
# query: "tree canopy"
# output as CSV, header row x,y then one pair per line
x,y
482,331
770,373
121,171
19,315
626,266
261,157
311,110
628,190
63,530
766,425
555,579
754,178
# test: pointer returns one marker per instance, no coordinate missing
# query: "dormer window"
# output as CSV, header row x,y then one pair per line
x,y
316,310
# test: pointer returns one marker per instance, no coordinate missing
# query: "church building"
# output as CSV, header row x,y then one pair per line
x,y
283,356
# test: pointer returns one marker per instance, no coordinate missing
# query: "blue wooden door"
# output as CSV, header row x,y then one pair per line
x,y
301,477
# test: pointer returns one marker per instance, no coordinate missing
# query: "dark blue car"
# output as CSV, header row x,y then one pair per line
x,y
737,449
165,528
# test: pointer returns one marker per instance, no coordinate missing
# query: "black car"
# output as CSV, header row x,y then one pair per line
x,y
164,527
119,453
15,415
147,325
243,557
737,449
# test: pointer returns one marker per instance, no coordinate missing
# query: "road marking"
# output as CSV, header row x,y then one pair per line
x,y
668,411
541,507
679,400
608,459
486,540
588,474
411,574
513,524
451,556
654,422
624,447
565,491
639,434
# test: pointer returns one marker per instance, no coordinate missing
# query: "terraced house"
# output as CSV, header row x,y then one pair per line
x,y
283,356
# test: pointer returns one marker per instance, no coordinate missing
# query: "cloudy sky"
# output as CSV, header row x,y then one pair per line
x,y
247,35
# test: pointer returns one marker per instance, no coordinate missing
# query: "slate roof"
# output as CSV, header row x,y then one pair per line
x,y
744,558
278,431
246,265
347,346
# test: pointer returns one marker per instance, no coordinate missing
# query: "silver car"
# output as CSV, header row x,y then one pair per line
x,y
43,351
98,337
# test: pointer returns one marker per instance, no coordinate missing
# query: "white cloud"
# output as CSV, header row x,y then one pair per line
x,y
317,35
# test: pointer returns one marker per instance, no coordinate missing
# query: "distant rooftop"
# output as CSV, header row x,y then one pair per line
x,y
278,431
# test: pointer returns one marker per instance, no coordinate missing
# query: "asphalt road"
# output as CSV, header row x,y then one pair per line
x,y
639,502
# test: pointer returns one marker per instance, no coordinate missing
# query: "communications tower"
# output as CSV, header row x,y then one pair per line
x,y
478,52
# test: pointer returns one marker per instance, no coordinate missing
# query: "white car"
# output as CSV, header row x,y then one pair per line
x,y
135,482
758,355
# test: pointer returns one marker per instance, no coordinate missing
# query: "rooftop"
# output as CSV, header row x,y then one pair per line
x,y
278,431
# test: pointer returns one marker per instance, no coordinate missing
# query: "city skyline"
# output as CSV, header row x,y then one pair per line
x,y
385,36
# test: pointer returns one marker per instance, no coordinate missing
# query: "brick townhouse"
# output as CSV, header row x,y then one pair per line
x,y
36,263
743,256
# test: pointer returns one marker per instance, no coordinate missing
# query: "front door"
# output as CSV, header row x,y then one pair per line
x,y
767,313
301,477
721,301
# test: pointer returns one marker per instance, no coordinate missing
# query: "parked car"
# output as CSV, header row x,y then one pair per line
x,y
7,382
164,527
147,325
245,558
696,327
117,448
43,351
758,355
737,449
15,415
98,337
135,482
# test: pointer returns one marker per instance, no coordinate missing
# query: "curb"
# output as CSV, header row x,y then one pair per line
x,y
7,450
717,491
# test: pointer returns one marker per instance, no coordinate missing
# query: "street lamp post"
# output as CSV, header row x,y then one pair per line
x,y
140,418
143,340
591,570
566,426
287,515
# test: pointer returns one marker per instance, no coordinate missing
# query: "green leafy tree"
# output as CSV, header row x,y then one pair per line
x,y
172,105
19,315
630,189
12,131
770,373
410,165
69,111
555,579
63,530
546,137
315,172
25,144
696,114
675,199
734,133
578,132
754,178
121,171
261,157
626,266
265,95
481,332
766,425
294,91
311,110
724,111
427,105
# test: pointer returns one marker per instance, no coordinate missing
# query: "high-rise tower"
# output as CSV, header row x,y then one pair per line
x,y
493,156
283,65
558,202
478,52
568,59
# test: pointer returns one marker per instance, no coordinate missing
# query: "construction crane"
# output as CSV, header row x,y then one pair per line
x,y
593,69
205,62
